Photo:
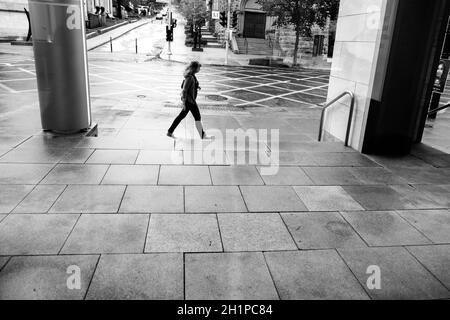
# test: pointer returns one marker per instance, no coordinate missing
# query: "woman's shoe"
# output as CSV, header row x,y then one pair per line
x,y
205,136
170,135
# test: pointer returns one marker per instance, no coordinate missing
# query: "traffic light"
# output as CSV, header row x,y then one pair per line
x,y
234,20
223,19
169,33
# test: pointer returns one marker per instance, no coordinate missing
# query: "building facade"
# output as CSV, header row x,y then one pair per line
x,y
90,5
14,23
254,22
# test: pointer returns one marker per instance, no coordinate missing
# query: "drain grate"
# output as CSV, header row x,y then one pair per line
x,y
215,97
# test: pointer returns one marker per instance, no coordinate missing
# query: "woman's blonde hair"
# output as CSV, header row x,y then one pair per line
x,y
192,68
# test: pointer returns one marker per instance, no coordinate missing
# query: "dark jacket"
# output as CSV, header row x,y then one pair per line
x,y
190,89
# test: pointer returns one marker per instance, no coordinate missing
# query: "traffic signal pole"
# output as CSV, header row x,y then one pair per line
x,y
227,32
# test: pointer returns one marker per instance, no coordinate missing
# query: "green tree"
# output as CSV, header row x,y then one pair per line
x,y
194,11
301,14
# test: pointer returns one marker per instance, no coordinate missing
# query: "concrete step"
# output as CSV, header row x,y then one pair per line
x,y
213,45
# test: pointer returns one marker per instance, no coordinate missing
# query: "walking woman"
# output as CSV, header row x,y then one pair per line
x,y
190,88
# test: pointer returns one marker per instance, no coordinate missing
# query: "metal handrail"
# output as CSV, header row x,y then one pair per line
x,y
350,117
439,109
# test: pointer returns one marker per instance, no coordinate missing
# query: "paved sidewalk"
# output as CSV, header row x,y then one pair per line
x,y
115,33
144,216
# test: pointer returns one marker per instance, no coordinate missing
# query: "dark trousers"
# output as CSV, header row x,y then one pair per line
x,y
193,108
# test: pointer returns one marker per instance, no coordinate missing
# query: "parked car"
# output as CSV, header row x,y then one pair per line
x,y
159,16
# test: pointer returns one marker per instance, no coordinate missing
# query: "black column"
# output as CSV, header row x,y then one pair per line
x,y
404,76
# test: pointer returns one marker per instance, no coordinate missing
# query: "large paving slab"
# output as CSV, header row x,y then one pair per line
x,y
113,157
76,155
287,176
395,162
254,232
389,197
384,228
160,157
438,193
45,277
434,224
228,276
436,259
89,199
415,198
109,143
205,157
374,176
138,277
214,199
184,175
3,261
296,159
183,233
132,175
50,141
108,233
76,174
313,275
12,195
153,199
34,155
402,277
272,199
249,157
34,234
11,141
235,175
342,159
423,175
321,230
23,173
327,198
40,199
329,176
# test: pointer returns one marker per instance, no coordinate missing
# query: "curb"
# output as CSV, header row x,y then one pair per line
x,y
107,41
101,31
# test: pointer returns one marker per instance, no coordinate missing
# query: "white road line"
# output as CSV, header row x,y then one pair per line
x,y
283,95
115,93
27,71
25,91
7,88
256,86
22,79
128,84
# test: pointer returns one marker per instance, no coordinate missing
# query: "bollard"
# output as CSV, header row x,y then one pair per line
x,y
136,47
110,43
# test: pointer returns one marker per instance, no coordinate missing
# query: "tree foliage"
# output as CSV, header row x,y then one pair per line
x,y
302,14
193,10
